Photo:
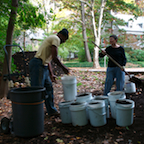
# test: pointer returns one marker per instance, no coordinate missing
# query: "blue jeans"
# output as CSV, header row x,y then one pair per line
x,y
111,74
39,75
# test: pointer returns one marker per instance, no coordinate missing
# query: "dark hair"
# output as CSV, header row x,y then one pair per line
x,y
114,36
64,32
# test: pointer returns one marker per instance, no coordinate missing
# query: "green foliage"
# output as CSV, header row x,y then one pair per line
x,y
30,17
139,63
137,55
82,55
128,57
122,6
101,61
63,52
75,41
13,67
29,48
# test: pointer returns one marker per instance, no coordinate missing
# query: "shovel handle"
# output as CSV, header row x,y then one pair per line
x,y
121,67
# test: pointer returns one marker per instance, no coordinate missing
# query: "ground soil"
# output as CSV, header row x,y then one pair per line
x,y
55,132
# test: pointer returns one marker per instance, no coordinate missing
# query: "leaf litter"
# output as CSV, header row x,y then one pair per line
x,y
55,132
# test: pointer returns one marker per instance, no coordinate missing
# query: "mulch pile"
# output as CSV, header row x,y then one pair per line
x,y
21,61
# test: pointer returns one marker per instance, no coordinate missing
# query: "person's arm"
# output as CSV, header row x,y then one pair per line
x,y
52,76
124,57
102,53
56,59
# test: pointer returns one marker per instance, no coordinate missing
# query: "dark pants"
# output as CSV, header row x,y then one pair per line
x,y
111,74
39,75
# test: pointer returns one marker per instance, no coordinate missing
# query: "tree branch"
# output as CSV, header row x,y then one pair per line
x,y
86,3
77,19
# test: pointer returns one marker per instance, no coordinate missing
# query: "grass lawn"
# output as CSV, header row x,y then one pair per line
x,y
74,63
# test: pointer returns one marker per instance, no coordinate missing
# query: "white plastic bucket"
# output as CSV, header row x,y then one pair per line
x,y
78,114
124,112
105,98
97,113
113,96
69,87
65,112
129,87
84,97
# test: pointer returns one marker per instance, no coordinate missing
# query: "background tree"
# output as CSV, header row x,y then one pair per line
x,y
28,17
88,56
98,16
9,37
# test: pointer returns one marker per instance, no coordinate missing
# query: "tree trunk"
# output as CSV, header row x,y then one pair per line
x,y
24,35
9,37
97,35
88,56
96,50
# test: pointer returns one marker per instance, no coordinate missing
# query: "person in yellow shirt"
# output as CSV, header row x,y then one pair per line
x,y
40,66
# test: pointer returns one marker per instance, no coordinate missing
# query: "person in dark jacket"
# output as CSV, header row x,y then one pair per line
x,y
117,52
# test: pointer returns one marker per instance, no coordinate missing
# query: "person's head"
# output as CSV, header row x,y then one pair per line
x,y
113,39
63,35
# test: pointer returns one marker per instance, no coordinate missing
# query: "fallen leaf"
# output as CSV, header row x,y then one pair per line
x,y
67,136
105,142
52,133
119,140
46,138
127,128
59,140
49,123
120,133
54,128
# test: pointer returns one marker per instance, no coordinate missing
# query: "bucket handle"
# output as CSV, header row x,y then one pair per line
x,y
99,114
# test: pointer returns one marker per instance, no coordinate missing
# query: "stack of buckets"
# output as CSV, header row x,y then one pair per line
x,y
70,91
129,87
122,109
78,109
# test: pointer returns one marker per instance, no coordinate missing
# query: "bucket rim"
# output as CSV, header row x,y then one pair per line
x,y
100,104
68,77
100,98
131,105
35,89
87,93
65,103
116,93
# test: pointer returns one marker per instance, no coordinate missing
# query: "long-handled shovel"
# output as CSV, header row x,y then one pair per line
x,y
132,79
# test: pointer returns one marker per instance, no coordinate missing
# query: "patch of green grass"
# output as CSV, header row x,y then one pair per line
x,y
78,64
75,63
